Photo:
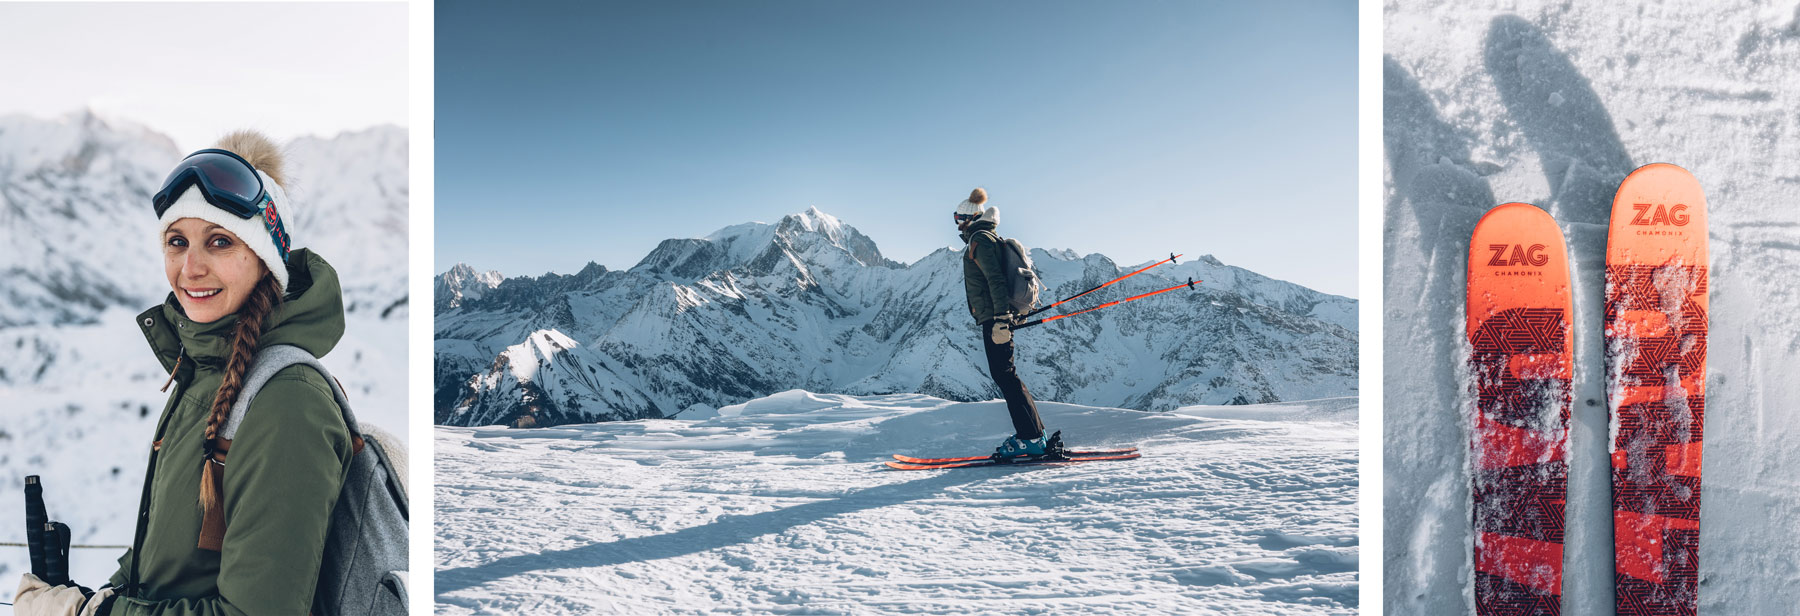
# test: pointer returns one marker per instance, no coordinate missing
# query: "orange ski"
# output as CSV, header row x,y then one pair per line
x,y
1656,323
1518,320
987,462
1073,454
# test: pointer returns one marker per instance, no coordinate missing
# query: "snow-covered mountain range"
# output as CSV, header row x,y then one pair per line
x,y
76,221
809,302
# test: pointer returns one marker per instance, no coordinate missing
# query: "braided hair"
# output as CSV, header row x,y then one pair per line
x,y
251,316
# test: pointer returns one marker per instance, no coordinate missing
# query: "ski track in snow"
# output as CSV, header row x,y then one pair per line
x,y
1487,102
762,510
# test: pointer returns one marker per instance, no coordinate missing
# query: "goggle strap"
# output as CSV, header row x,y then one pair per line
x,y
272,223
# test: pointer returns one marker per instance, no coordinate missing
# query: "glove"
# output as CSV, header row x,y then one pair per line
x,y
1001,332
37,598
98,603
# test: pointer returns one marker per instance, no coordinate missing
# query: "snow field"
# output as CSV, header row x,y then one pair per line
x,y
781,505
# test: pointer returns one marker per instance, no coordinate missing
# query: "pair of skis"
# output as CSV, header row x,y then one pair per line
x,y
1518,317
909,463
1057,455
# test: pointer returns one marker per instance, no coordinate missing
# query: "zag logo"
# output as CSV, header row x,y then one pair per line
x,y
1506,255
1658,214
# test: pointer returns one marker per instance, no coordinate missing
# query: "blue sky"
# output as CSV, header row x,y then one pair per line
x,y
577,132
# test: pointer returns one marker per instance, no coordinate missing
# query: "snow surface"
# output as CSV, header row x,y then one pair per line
x,y
1553,103
781,505
79,387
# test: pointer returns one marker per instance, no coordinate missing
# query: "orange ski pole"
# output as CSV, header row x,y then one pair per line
x,y
1146,268
1189,284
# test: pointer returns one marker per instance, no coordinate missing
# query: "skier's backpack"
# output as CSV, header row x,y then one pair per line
x,y
364,567
1021,275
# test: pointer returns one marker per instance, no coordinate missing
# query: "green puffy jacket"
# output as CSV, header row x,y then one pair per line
x,y
281,479
984,272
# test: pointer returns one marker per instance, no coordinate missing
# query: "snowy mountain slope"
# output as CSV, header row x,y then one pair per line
x,y
78,386
1552,104
74,211
461,282
809,302
75,215
353,196
781,505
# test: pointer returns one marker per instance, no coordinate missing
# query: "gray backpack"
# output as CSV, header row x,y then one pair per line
x,y
1021,275
364,567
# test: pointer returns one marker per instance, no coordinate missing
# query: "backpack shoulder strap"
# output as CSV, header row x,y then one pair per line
x,y
269,361
988,232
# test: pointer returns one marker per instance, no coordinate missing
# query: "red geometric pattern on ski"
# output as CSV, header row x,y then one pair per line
x,y
1505,597
1521,362
1656,324
1542,581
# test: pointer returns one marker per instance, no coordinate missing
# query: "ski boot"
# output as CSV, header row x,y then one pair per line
x,y
1039,448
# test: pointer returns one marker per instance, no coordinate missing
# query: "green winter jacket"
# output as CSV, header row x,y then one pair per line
x,y
281,478
984,272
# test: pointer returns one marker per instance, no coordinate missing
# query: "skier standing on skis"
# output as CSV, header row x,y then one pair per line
x,y
985,283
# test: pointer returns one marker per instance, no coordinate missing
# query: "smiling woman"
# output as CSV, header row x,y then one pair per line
x,y
239,299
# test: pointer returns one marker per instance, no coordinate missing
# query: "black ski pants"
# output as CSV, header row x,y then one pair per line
x,y
1026,423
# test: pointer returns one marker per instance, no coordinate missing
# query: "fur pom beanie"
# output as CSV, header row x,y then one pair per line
x,y
266,235
972,207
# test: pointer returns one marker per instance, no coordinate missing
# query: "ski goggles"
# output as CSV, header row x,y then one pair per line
x,y
962,218
226,180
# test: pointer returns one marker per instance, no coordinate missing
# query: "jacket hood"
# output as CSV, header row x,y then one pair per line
x,y
310,316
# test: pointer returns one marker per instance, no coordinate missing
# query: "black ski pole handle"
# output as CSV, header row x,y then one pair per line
x,y
56,554
35,520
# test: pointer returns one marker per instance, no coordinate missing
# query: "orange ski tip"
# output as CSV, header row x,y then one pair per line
x,y
1517,259
1658,216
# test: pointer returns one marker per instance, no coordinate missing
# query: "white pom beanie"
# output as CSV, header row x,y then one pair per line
x,y
972,206
266,235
